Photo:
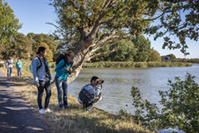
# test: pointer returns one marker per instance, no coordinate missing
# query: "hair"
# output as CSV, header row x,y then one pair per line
x,y
94,78
68,53
41,49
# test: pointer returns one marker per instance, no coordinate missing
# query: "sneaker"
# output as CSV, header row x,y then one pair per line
x,y
66,107
88,108
61,108
48,110
42,111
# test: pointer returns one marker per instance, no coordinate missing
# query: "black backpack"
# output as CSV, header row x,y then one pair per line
x,y
59,58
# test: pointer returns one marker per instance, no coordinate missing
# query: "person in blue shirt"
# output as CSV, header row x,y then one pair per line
x,y
63,69
42,77
19,66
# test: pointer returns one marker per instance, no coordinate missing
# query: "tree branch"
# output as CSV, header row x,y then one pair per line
x,y
104,53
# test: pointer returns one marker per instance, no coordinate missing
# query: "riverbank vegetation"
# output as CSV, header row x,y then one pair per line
x,y
135,64
74,119
179,107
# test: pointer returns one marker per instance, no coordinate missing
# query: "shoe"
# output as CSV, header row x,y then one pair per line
x,y
61,108
88,108
48,110
42,111
66,107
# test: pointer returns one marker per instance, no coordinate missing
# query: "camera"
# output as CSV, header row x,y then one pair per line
x,y
102,81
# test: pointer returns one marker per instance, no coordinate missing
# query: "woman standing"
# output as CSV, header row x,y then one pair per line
x,y
63,69
42,77
19,66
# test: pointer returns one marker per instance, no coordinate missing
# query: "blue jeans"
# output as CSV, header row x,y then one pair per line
x,y
19,71
44,84
61,85
9,71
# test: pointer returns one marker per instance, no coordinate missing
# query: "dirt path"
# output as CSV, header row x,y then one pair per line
x,y
16,116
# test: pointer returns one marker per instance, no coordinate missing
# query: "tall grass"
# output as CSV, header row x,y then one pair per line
x,y
135,64
74,119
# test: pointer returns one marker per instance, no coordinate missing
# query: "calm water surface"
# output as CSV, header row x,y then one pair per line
x,y
118,82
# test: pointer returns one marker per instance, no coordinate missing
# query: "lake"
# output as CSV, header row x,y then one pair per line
x,y
118,82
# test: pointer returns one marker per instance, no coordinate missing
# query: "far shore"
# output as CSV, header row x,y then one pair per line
x,y
135,64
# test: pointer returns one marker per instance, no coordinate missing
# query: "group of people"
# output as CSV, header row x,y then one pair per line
x,y
89,94
10,65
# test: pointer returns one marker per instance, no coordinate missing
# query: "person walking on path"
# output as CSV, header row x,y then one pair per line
x,y
63,69
42,77
16,115
19,66
9,66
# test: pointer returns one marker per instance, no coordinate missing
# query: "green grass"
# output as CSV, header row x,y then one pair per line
x,y
135,64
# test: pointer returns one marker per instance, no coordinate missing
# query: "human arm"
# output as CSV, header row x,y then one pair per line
x,y
35,75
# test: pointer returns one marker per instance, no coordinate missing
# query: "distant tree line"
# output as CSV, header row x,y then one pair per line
x,y
25,47
137,50
194,60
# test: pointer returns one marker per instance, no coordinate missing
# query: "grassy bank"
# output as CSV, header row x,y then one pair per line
x,y
74,119
135,64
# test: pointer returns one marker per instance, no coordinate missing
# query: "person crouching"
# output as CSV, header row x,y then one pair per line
x,y
91,93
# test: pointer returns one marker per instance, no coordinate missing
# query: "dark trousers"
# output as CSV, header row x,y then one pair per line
x,y
44,84
9,71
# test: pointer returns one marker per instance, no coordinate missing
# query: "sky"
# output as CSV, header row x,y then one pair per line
x,y
34,14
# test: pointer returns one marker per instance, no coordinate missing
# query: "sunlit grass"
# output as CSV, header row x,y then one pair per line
x,y
131,64
74,119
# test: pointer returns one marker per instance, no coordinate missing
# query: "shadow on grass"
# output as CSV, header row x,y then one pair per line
x,y
76,119
27,80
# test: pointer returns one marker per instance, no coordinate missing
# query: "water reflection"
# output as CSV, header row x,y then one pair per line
x,y
118,83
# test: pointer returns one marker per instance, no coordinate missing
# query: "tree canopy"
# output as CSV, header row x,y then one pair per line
x,y
9,24
87,26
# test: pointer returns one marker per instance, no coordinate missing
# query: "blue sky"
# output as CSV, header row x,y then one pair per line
x,y
34,14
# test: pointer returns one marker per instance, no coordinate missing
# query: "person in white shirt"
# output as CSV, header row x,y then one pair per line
x,y
91,93
9,66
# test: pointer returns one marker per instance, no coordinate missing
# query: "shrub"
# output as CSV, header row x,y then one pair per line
x,y
180,107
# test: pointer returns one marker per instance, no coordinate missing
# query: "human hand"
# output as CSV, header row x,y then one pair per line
x,y
38,85
67,69
71,69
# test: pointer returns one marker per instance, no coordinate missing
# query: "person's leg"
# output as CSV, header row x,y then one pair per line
x,y
65,87
58,83
10,71
20,71
17,71
48,93
40,93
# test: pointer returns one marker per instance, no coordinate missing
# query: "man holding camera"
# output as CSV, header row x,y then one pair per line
x,y
91,93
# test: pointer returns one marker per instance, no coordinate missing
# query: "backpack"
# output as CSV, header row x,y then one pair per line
x,y
59,58
31,66
86,97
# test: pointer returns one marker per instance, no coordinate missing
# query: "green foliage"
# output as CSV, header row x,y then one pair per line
x,y
179,19
9,25
154,56
21,47
195,60
180,107
172,57
50,40
131,64
49,55
142,46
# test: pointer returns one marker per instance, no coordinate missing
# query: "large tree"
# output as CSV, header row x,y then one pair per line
x,y
87,25
9,24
